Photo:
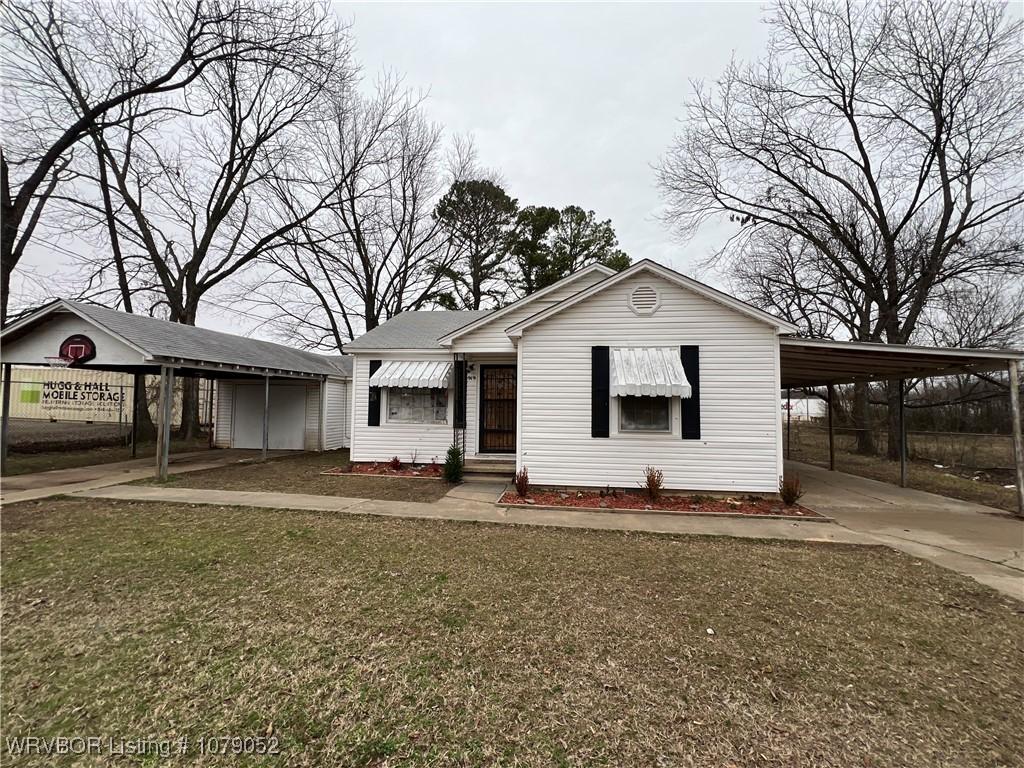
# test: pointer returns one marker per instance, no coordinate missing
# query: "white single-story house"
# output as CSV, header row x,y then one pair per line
x,y
584,383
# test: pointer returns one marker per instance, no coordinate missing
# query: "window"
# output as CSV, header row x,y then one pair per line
x,y
415,405
645,414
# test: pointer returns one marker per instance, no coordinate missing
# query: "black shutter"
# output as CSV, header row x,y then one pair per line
x,y
373,401
690,355
460,394
600,387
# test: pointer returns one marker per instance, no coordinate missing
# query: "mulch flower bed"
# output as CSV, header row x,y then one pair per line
x,y
694,505
384,468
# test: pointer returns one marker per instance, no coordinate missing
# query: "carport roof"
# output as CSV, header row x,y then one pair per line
x,y
817,362
165,343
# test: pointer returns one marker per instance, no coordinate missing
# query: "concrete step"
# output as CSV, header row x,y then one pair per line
x,y
481,477
490,465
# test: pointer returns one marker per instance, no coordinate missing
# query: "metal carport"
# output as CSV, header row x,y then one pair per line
x,y
140,345
824,363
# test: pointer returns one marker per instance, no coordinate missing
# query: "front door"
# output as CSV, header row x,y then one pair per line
x,y
497,409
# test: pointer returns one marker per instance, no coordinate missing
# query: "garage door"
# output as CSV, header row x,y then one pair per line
x,y
287,416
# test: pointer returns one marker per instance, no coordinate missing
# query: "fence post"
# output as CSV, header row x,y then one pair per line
x,y
1018,441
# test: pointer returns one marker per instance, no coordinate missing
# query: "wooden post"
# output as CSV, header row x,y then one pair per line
x,y
831,433
789,425
164,417
209,410
138,383
266,415
1018,442
5,419
903,433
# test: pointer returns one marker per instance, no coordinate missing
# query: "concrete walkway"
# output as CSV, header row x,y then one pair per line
x,y
475,502
981,542
39,485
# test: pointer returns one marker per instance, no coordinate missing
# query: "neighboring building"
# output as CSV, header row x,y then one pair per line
x,y
305,395
584,383
804,408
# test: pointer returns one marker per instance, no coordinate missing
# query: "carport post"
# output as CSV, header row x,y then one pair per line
x,y
903,434
1018,441
163,427
266,415
789,426
831,433
5,418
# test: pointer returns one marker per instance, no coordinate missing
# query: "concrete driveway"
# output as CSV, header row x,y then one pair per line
x,y
981,542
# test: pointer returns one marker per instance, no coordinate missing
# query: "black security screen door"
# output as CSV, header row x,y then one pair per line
x,y
497,409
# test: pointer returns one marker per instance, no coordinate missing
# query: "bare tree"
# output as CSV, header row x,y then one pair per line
x,y
374,250
887,136
114,53
196,201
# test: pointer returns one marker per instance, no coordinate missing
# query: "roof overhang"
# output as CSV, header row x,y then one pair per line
x,y
148,362
818,362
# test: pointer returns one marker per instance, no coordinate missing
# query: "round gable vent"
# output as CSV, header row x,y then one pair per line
x,y
644,300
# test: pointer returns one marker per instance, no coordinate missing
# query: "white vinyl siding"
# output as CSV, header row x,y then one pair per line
x,y
337,424
738,449
223,405
392,439
491,337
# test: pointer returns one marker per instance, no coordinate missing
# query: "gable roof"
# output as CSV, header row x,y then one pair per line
x,y
781,326
158,340
417,329
487,319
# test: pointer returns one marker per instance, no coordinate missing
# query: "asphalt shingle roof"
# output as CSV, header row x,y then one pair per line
x,y
415,330
163,339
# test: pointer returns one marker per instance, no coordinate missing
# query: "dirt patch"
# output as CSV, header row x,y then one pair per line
x,y
697,505
306,473
386,642
382,469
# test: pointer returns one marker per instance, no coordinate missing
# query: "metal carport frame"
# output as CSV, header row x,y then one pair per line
x,y
825,363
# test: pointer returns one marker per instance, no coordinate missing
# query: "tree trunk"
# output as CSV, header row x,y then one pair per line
x,y
145,429
862,420
190,427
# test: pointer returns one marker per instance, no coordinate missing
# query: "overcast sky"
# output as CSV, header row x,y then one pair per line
x,y
570,103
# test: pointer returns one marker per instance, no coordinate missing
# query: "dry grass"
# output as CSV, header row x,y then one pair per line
x,y
386,642
810,445
302,474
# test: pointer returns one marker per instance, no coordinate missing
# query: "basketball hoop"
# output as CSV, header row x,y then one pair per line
x,y
58,361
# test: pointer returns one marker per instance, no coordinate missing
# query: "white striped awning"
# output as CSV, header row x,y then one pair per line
x,y
650,371
412,373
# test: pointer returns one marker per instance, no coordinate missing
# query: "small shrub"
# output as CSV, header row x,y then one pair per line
x,y
453,464
522,482
790,490
654,479
395,463
412,457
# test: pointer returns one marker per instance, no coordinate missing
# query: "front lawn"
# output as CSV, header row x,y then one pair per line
x,y
385,642
302,473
